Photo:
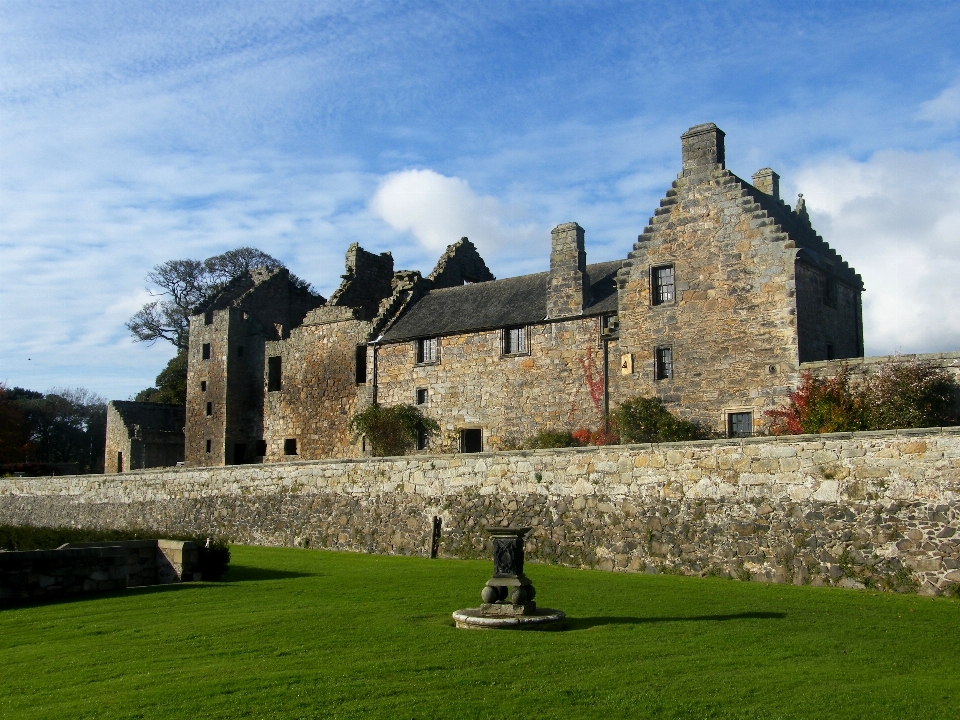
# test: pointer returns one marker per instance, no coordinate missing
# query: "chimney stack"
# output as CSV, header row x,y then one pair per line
x,y
767,181
567,288
702,149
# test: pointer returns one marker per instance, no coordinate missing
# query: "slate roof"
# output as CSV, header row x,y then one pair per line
x,y
497,304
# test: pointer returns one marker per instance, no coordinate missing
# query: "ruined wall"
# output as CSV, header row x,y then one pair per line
x,y
557,385
865,509
732,325
828,313
319,392
207,382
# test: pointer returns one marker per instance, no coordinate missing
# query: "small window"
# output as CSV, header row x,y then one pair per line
x,y
209,408
471,440
515,341
244,315
740,424
240,351
203,386
662,282
421,396
421,439
273,373
664,363
831,355
119,462
206,351
427,350
290,446
261,448
208,317
361,359
209,445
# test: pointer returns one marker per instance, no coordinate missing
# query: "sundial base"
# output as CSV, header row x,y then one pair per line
x,y
476,619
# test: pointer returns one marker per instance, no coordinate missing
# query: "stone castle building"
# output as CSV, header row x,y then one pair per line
x,y
724,294
143,435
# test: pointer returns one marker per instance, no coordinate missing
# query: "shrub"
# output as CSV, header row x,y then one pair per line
x,y
213,558
546,439
393,430
898,395
602,436
818,405
641,419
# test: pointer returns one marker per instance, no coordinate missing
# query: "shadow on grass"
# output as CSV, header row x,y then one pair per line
x,y
84,597
589,622
246,573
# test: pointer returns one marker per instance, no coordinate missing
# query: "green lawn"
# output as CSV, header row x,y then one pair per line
x,y
304,633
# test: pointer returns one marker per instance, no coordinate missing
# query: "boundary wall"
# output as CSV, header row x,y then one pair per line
x,y
878,509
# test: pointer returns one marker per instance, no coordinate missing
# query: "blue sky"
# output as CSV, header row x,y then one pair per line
x,y
133,133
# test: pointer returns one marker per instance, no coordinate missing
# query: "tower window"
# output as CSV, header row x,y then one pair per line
x,y
209,408
209,445
664,363
203,386
361,359
290,446
421,396
663,285
205,351
427,350
273,373
208,317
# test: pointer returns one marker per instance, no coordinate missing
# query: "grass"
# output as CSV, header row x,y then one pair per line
x,y
305,633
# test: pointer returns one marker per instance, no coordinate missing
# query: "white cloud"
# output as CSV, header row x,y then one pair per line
x,y
896,219
944,109
438,210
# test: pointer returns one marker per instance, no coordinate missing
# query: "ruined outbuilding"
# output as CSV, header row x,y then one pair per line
x,y
725,293
143,435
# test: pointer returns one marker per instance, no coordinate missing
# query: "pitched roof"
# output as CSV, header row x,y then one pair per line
x,y
496,304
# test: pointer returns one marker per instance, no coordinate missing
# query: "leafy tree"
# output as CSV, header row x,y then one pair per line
x,y
171,383
393,430
819,405
14,440
642,420
63,426
186,284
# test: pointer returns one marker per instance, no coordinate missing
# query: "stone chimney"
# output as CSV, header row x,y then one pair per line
x,y
767,181
702,149
568,289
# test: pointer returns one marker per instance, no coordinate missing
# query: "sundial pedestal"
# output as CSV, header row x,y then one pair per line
x,y
508,595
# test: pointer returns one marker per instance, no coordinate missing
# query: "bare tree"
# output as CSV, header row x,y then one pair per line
x,y
186,284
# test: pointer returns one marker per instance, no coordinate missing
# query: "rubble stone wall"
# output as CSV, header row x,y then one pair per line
x,y
875,510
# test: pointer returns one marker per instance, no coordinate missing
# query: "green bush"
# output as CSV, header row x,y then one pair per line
x,y
642,420
546,439
213,560
393,430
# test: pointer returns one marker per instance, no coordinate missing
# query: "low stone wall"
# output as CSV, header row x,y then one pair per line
x,y
864,509
79,568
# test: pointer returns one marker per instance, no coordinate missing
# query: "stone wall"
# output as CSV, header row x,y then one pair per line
x,y
79,568
557,384
866,509
828,316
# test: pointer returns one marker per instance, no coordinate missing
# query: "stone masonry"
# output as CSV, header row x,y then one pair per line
x,y
877,510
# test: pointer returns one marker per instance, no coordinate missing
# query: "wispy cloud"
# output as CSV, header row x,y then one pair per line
x,y
944,109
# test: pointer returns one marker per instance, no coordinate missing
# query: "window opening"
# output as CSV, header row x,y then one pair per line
x,y
119,462
515,341
208,317
209,445
203,386
361,359
421,396
209,408
664,287
740,424
290,446
427,350
273,373
471,440
206,351
421,439
664,363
